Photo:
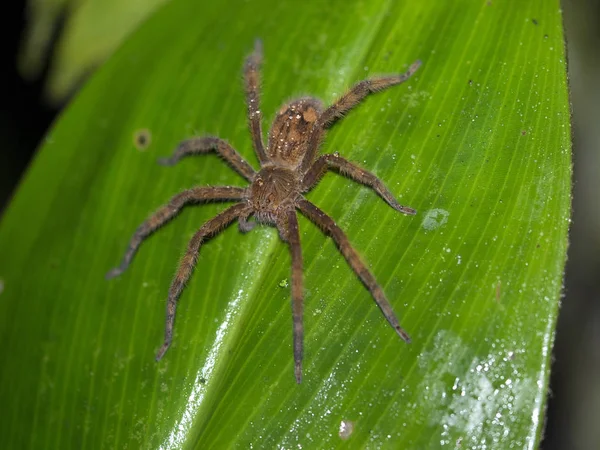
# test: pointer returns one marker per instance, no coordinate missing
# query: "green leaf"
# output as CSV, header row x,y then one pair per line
x,y
478,141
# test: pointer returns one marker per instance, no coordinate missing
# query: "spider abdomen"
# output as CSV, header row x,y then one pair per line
x,y
290,132
273,190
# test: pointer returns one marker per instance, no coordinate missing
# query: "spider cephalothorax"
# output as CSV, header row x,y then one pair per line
x,y
273,191
289,168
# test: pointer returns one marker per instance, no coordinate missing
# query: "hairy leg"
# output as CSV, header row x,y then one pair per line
x,y
293,239
360,91
346,102
246,225
327,224
203,145
167,212
210,228
252,82
356,173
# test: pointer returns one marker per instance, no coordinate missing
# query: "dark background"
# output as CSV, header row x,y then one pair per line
x,y
24,116
573,418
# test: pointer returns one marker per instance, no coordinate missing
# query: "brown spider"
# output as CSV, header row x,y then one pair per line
x,y
289,168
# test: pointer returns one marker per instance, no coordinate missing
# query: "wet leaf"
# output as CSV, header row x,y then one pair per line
x,y
478,142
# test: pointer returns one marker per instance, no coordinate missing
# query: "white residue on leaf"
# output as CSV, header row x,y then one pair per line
x,y
413,99
435,218
346,429
485,399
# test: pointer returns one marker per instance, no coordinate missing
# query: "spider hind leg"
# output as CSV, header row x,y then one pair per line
x,y
293,239
209,229
328,225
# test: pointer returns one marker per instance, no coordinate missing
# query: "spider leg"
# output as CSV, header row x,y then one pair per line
x,y
252,82
346,102
167,212
327,224
360,91
206,144
209,229
293,239
245,225
351,170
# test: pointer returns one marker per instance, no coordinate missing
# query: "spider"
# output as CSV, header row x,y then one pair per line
x,y
289,168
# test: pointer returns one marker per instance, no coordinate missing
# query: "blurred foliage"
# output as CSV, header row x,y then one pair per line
x,y
88,32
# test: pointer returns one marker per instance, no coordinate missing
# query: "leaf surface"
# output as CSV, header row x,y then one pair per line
x,y
478,141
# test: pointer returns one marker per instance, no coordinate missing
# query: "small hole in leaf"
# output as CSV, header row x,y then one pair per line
x,y
142,139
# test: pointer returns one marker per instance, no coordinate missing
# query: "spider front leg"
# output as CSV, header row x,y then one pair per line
x,y
345,167
293,239
203,145
252,82
209,229
167,212
346,102
327,224
360,91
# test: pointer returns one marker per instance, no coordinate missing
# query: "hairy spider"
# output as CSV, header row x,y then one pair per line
x,y
289,168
